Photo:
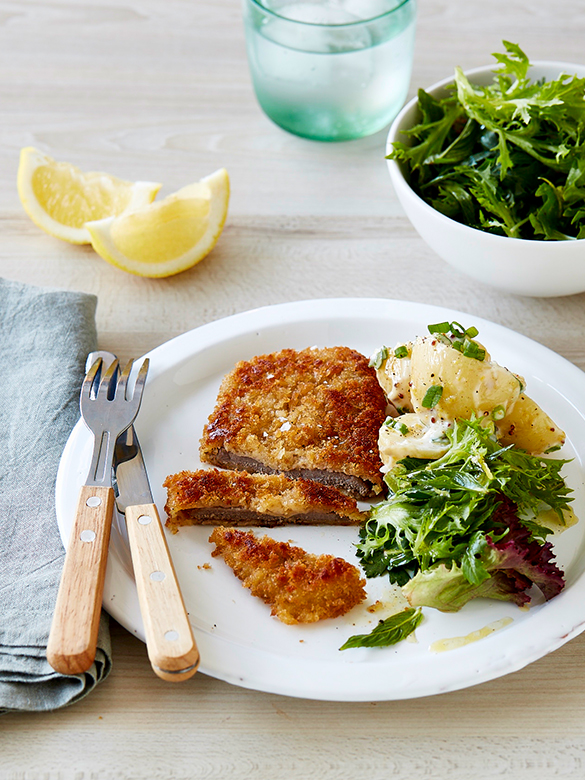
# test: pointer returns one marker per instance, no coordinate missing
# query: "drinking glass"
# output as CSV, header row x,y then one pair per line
x,y
330,70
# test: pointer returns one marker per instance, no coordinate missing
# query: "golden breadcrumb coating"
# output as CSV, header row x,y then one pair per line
x,y
213,497
312,413
299,586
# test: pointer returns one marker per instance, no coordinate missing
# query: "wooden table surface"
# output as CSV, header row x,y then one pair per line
x,y
161,91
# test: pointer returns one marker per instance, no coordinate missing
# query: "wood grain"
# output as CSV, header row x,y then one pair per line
x,y
72,641
161,92
169,639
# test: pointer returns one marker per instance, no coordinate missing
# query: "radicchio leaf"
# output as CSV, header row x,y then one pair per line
x,y
516,552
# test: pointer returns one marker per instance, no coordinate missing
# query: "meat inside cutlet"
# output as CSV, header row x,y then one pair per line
x,y
213,497
299,586
314,414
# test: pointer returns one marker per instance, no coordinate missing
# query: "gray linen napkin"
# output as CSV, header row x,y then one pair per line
x,y
45,336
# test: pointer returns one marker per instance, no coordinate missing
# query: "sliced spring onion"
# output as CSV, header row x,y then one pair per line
x,y
457,329
440,327
443,339
498,413
432,396
401,352
472,350
378,358
397,424
459,337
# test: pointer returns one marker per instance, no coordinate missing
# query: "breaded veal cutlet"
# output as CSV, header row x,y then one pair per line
x,y
314,413
213,497
299,586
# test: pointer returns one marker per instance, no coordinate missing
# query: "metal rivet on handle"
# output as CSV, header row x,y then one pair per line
x,y
93,501
87,536
145,519
157,576
172,636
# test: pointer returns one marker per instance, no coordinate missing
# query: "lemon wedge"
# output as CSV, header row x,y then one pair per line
x,y
60,198
168,236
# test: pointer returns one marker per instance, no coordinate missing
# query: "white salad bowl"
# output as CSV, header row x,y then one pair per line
x,y
514,265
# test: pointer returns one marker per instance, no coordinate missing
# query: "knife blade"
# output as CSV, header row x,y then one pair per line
x,y
170,643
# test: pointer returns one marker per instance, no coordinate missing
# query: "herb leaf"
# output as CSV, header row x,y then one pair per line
x,y
388,632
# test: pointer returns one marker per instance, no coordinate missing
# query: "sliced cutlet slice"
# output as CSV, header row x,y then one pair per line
x,y
213,497
300,587
314,413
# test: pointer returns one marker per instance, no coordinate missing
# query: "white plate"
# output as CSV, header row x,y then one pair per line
x,y
239,641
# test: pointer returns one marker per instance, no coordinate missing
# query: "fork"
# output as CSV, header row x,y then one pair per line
x,y
107,412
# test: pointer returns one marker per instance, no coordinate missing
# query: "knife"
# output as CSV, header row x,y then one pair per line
x,y
170,643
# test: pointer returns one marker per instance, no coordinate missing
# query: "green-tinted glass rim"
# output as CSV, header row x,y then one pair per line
x,y
261,7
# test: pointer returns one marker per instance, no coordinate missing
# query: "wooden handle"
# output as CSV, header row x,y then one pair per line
x,y
73,637
169,639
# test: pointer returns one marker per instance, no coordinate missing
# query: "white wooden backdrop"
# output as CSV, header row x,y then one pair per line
x,y
161,91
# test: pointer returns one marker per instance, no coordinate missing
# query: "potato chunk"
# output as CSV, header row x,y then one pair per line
x,y
527,426
470,386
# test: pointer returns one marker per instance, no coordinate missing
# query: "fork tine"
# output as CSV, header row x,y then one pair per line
x,y
122,385
140,381
108,382
87,384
